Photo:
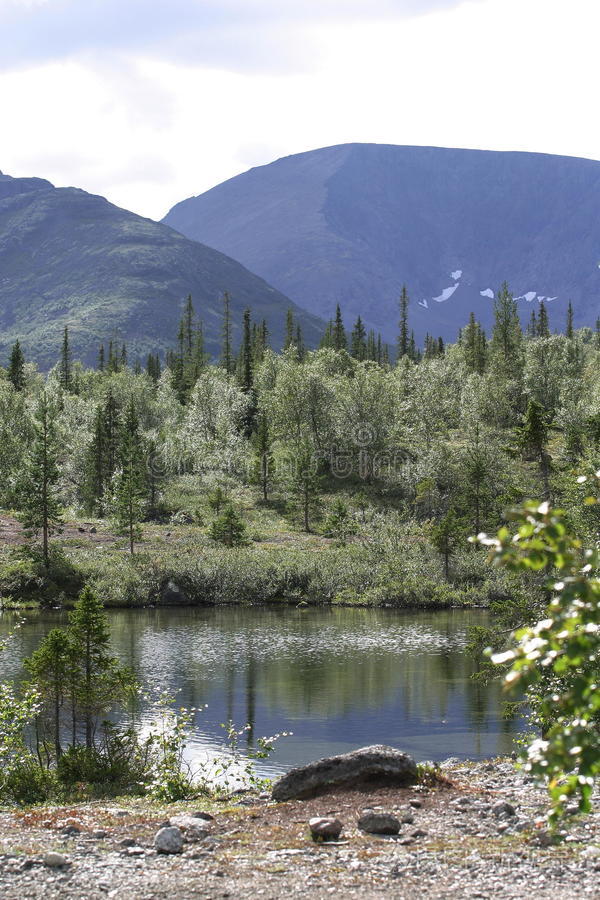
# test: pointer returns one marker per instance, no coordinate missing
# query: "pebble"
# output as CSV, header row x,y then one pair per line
x,y
323,829
378,823
55,860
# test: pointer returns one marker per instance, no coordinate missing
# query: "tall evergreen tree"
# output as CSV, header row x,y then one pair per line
x,y
101,361
263,454
103,681
358,342
569,328
39,505
227,352
403,336
543,322
130,486
289,328
338,332
532,439
65,366
16,367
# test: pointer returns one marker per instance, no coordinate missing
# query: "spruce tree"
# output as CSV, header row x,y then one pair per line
x,y
101,361
543,322
130,486
228,529
289,328
304,482
358,342
445,537
38,494
338,332
403,336
246,374
532,439
226,352
103,681
50,669
16,367
66,363
569,328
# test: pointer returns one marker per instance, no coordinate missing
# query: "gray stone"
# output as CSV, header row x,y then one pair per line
x,y
416,804
323,829
55,860
378,823
369,764
407,819
193,827
501,809
168,840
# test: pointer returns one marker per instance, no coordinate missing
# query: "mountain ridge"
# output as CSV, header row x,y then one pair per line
x,y
353,222
72,258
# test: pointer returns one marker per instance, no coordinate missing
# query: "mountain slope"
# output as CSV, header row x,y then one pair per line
x,y
351,223
72,258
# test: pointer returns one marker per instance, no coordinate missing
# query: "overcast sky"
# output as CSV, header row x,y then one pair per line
x,y
149,101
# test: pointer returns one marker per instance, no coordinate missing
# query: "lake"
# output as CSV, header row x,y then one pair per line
x,y
338,678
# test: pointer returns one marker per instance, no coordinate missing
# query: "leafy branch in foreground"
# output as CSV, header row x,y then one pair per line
x,y
557,661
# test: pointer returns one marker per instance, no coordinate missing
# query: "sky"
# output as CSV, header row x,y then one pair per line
x,y
147,102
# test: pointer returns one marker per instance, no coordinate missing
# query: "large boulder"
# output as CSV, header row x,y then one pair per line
x,y
380,764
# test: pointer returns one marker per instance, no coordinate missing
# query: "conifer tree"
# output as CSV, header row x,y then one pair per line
x,y
338,332
403,336
50,669
543,323
130,485
412,348
358,341
103,681
246,373
66,363
300,343
39,506
532,439
445,537
474,345
289,328
228,529
226,352
16,367
532,327
327,339
101,362
569,328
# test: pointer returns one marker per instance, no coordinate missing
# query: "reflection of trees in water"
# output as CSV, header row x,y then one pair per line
x,y
321,663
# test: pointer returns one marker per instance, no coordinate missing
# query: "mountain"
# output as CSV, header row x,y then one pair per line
x,y
72,258
352,223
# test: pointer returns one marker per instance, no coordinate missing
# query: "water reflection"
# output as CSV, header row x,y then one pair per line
x,y
337,678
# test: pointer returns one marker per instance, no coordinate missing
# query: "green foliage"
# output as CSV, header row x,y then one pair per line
x,y
339,524
228,528
557,659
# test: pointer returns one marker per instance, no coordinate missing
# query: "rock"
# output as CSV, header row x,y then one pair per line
x,y
55,860
99,834
127,842
416,804
203,815
407,819
168,840
93,530
193,827
502,808
418,833
173,595
369,764
70,830
323,829
378,823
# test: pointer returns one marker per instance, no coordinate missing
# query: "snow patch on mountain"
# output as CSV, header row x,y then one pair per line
x,y
424,304
529,296
446,294
487,293
456,275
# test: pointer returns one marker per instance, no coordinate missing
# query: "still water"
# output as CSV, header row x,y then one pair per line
x,y
337,678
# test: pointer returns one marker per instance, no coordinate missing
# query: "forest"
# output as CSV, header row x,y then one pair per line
x,y
323,476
